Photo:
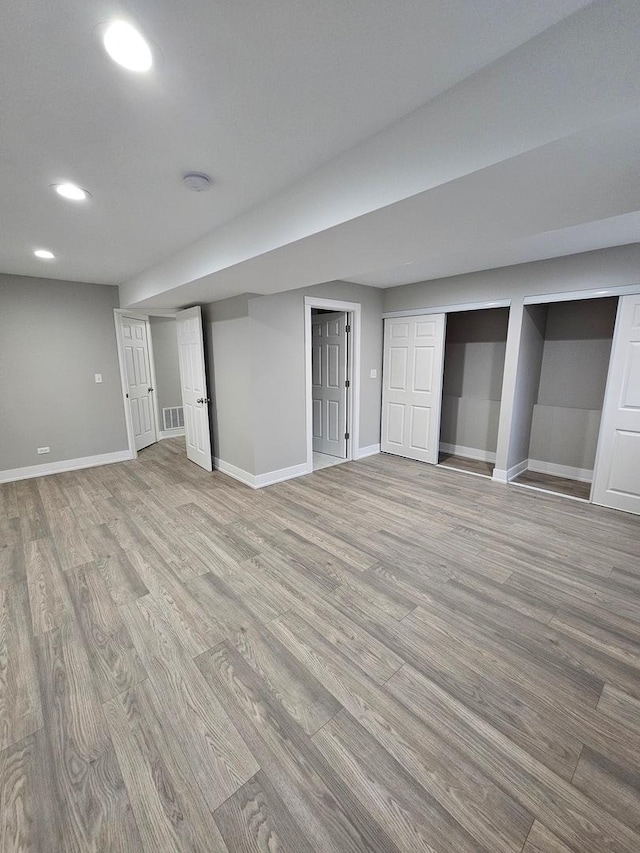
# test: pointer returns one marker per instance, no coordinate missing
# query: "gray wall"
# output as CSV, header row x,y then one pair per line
x,y
54,336
228,357
577,348
588,270
475,346
165,355
594,270
277,333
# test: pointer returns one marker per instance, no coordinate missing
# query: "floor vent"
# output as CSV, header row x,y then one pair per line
x,y
173,418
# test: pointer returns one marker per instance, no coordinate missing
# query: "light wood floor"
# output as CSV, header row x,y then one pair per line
x,y
463,463
562,485
382,656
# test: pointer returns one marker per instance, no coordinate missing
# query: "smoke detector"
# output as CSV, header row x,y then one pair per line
x,y
197,182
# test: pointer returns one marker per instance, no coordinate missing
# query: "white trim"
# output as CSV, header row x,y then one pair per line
x,y
571,295
584,475
259,481
354,310
448,309
235,472
170,433
283,474
370,450
469,452
154,382
503,476
12,474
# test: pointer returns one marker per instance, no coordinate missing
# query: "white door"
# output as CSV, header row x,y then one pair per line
x,y
139,390
412,386
329,383
193,381
617,473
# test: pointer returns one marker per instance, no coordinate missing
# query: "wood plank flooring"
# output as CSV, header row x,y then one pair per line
x,y
463,463
381,656
561,485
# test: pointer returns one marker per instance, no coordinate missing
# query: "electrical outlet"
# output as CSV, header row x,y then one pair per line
x,y
44,450
98,377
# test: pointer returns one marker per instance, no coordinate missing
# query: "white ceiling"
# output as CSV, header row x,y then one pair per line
x,y
264,96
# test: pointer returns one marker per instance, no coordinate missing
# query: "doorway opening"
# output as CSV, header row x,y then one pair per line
x,y
567,355
332,352
150,376
474,356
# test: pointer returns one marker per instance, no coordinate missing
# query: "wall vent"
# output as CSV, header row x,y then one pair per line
x,y
173,417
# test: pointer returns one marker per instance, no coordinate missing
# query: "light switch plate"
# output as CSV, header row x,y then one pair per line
x,y
98,377
373,374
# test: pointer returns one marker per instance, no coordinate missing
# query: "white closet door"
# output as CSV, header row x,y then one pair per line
x,y
136,359
617,475
194,386
328,383
412,386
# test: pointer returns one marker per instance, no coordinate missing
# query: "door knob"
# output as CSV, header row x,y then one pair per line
x,y
203,400
149,390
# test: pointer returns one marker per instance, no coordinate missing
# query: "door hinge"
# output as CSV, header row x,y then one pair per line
x,y
347,384
347,328
346,435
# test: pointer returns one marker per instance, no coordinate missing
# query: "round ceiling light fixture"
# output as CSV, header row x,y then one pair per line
x,y
197,182
126,46
45,254
71,191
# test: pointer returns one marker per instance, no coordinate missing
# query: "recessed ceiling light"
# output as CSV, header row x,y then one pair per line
x,y
126,46
45,254
71,191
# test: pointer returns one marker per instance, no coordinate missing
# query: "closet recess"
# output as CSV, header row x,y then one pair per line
x,y
567,359
474,357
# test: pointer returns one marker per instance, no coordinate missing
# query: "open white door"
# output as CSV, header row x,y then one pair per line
x,y
412,386
617,473
135,347
194,386
328,383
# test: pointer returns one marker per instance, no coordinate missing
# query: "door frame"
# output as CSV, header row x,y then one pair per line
x,y
353,311
118,314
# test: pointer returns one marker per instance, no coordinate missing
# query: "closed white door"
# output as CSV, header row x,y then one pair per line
x,y
412,386
328,383
139,390
195,401
617,473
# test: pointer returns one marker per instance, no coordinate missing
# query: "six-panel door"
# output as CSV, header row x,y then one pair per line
x,y
412,386
617,474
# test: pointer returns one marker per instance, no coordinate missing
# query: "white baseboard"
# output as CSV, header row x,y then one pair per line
x,y
283,474
30,471
170,433
503,476
468,452
259,481
371,450
584,475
